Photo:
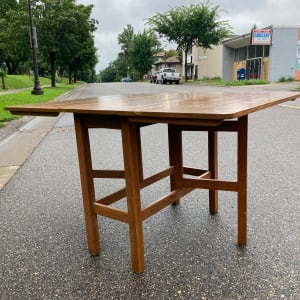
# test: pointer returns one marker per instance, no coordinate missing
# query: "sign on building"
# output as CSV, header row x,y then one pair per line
x,y
261,37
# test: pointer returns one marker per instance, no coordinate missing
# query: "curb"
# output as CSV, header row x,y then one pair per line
x,y
13,126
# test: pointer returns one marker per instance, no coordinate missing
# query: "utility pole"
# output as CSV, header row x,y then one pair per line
x,y
37,90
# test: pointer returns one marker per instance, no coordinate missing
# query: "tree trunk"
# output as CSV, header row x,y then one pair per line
x,y
185,63
74,72
71,78
9,68
52,68
3,82
15,67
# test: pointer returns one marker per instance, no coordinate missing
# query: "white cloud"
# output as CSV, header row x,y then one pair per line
x,y
114,15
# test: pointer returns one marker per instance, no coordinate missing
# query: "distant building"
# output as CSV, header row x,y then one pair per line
x,y
163,62
266,54
203,63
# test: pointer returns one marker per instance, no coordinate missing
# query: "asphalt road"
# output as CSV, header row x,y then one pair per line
x,y
189,253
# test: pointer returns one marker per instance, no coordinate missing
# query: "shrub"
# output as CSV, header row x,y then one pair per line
x,y
282,79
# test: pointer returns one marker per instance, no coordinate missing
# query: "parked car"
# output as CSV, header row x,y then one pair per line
x,y
153,77
126,79
168,75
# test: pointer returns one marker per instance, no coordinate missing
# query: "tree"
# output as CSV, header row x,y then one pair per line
x,y
14,44
77,51
170,53
144,46
196,25
136,57
125,39
6,5
110,73
116,69
65,35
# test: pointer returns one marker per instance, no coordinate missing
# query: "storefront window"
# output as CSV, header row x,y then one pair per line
x,y
259,51
236,54
243,53
240,54
249,52
252,52
266,51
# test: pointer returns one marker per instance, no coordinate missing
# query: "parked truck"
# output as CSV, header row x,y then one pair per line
x,y
168,75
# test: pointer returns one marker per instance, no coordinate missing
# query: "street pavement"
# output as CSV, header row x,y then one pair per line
x,y
189,253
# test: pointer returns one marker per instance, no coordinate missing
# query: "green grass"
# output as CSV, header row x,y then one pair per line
x,y
213,81
245,82
219,82
26,81
25,97
22,81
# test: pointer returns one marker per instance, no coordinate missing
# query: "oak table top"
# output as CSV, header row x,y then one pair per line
x,y
210,106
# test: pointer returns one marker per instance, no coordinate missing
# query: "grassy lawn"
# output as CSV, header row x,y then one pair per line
x,y
25,97
25,81
22,81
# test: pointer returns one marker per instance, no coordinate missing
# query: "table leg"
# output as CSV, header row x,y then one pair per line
x,y
175,156
213,168
130,142
242,179
139,152
87,185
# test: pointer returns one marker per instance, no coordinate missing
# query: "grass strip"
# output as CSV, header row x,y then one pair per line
x,y
25,97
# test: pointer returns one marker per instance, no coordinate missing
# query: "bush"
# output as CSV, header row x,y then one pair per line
x,y
284,79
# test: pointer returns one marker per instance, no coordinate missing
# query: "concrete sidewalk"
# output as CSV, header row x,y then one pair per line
x,y
19,139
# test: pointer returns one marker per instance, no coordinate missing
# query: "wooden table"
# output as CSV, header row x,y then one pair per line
x,y
211,112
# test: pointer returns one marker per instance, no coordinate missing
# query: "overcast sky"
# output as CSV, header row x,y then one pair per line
x,y
114,15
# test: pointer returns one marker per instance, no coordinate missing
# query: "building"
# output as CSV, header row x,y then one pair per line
x,y
267,54
166,62
203,63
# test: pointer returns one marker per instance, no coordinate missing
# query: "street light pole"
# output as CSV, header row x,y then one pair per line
x,y
37,90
